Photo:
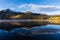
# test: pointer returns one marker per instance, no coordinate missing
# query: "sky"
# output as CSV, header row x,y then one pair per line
x,y
49,7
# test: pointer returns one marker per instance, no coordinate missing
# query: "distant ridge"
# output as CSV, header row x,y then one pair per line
x,y
9,14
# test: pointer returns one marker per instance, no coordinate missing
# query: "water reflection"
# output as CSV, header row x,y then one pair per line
x,y
25,24
20,24
37,30
55,22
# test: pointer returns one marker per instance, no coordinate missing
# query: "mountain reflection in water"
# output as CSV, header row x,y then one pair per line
x,y
20,24
8,25
38,30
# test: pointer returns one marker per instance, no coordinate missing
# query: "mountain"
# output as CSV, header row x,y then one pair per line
x,y
9,14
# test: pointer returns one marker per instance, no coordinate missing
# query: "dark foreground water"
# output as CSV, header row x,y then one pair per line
x,y
29,31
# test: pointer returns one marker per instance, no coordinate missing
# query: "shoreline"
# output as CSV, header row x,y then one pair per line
x,y
20,20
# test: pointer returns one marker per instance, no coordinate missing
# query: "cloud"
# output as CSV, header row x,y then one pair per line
x,y
12,8
22,5
36,7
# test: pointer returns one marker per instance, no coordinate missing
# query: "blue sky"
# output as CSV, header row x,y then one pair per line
x,y
49,7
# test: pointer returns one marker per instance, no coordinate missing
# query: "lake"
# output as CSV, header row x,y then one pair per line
x,y
29,30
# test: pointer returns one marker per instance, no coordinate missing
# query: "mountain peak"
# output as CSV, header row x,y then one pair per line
x,y
28,12
6,10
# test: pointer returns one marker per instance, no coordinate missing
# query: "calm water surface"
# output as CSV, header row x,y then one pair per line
x,y
29,30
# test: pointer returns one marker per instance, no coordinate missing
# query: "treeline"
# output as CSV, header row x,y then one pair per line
x,y
54,17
